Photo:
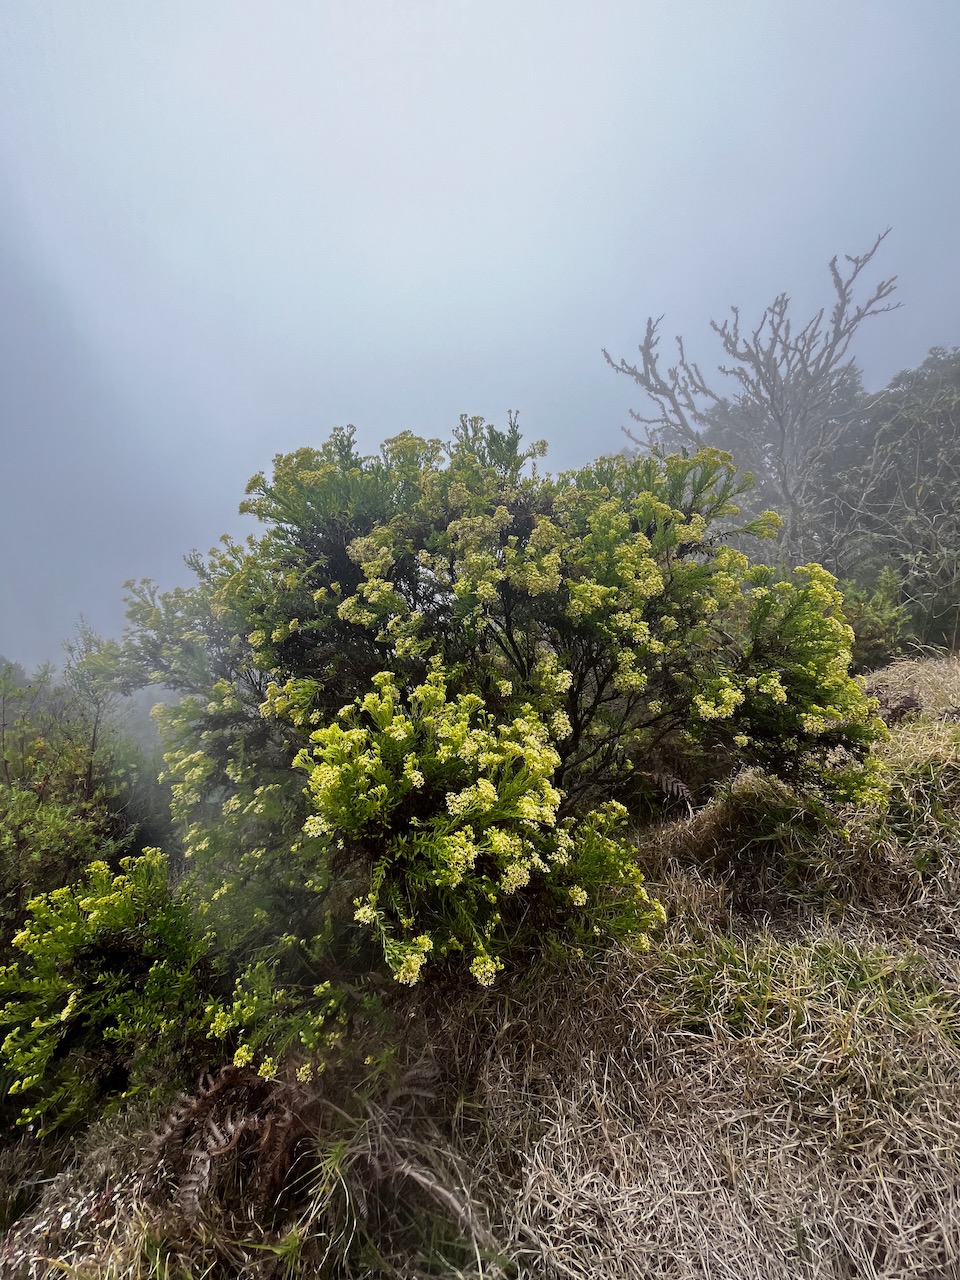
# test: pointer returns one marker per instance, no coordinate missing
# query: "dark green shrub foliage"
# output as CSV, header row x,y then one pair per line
x,y
892,480
880,623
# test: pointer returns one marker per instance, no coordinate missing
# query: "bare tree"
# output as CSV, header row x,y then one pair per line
x,y
794,392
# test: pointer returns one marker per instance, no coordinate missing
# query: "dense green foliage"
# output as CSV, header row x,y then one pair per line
x,y
880,623
891,482
418,709
104,997
59,802
95,955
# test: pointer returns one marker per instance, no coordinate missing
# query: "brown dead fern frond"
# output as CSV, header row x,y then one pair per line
x,y
167,1149
282,1131
671,785
230,1142
284,1156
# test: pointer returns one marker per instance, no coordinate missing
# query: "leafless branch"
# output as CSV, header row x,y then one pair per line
x,y
787,409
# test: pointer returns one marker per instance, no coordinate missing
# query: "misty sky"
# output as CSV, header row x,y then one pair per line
x,y
226,227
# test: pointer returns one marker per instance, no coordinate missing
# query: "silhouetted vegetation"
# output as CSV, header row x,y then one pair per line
x,y
866,482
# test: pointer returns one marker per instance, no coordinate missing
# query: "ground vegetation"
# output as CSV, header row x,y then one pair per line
x,y
544,898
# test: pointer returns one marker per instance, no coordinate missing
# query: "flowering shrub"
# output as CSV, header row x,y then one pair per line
x,y
106,988
418,706
608,600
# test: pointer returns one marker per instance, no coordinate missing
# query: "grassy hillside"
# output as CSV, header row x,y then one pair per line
x,y
773,1090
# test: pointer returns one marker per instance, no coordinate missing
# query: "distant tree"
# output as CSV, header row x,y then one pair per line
x,y
13,671
795,392
55,817
891,485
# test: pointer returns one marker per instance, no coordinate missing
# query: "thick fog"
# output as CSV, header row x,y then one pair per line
x,y
227,227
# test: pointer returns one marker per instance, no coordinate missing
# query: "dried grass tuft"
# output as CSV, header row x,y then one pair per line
x,y
934,682
791,1126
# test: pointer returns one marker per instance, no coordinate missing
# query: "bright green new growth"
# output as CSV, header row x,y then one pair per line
x,y
104,993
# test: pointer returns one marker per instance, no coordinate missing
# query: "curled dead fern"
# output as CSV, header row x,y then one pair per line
x,y
231,1142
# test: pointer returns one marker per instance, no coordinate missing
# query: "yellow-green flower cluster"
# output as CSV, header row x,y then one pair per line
x,y
485,968
407,959
719,702
483,826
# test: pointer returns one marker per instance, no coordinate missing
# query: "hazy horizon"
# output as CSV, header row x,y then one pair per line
x,y
226,229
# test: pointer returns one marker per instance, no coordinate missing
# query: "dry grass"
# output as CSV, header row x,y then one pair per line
x,y
815,1133
935,682
771,1093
